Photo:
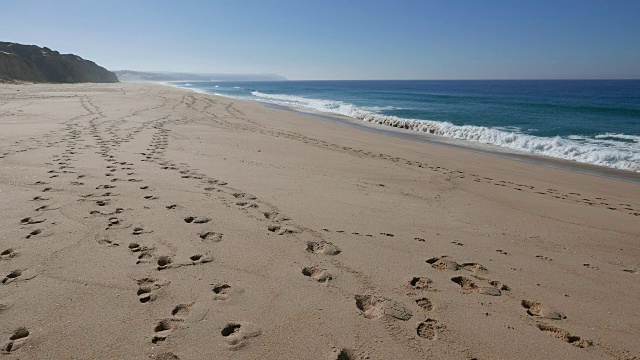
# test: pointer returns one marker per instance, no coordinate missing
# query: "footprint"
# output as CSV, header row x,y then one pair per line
x,y
162,330
537,309
386,234
8,254
210,236
425,303
107,242
473,267
181,310
196,220
589,266
318,274
145,256
375,307
271,215
544,257
468,285
236,334
322,248
199,259
419,283
222,291
442,263
164,262
34,233
135,247
139,231
17,275
502,252
498,285
16,340
428,329
105,186
147,288
464,282
345,354
288,231
564,336
31,221
113,221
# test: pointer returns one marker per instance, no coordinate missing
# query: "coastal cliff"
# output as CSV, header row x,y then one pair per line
x,y
40,64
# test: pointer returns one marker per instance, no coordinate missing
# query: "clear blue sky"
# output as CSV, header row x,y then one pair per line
x,y
341,39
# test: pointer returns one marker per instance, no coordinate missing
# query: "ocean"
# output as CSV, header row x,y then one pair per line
x,y
589,121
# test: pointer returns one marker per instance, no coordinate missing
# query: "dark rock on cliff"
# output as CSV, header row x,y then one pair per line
x,y
33,63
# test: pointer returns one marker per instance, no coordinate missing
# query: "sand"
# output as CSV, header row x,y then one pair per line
x,y
142,221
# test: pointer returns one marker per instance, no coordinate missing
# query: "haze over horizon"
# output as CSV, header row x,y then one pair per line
x,y
342,40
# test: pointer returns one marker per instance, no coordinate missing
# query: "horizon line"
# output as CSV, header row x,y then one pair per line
x,y
558,79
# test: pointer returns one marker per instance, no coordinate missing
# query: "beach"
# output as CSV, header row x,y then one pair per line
x,y
144,221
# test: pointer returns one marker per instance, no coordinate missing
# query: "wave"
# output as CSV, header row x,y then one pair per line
x,y
625,137
603,150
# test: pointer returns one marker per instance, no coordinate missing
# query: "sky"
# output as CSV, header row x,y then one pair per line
x,y
341,39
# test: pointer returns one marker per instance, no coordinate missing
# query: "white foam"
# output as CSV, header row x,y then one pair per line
x,y
634,138
199,91
602,150
194,89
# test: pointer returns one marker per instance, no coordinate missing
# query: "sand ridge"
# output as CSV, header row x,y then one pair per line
x,y
152,222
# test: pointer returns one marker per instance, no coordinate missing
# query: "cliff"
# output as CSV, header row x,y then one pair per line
x,y
36,64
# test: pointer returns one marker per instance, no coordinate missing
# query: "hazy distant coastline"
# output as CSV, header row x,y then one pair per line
x,y
130,75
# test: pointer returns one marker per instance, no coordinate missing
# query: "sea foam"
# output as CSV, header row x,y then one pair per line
x,y
620,151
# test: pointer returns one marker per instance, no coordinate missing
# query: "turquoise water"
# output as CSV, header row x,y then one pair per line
x,y
594,122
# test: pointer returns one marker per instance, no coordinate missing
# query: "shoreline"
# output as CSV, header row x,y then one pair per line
x,y
157,223
478,147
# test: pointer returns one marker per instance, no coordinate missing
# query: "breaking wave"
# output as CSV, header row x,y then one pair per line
x,y
620,151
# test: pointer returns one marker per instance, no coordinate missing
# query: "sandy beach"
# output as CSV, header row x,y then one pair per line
x,y
142,221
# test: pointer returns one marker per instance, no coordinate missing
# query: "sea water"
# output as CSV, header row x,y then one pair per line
x,y
588,121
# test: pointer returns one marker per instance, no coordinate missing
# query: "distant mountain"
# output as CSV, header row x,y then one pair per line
x,y
36,64
129,75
